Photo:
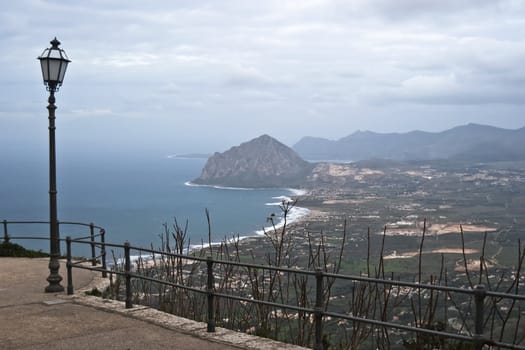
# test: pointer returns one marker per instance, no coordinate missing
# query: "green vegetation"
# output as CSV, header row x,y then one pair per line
x,y
449,312
14,250
438,223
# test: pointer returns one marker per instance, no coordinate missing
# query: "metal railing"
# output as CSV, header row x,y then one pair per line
x,y
95,239
319,311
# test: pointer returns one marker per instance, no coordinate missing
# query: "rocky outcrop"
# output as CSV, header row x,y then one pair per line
x,y
261,162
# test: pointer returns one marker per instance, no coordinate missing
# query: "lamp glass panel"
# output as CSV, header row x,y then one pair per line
x,y
55,53
63,66
54,69
45,71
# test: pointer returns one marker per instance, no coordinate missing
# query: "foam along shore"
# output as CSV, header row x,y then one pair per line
x,y
191,184
294,215
293,191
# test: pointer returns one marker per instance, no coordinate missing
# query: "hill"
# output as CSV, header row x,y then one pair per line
x,y
261,162
472,142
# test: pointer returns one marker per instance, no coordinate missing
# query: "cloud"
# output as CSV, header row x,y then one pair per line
x,y
121,60
90,112
240,76
245,60
442,90
416,10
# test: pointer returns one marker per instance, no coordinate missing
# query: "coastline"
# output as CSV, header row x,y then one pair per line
x,y
295,215
191,184
295,191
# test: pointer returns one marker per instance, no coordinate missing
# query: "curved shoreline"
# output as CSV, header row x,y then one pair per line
x,y
295,191
294,216
258,233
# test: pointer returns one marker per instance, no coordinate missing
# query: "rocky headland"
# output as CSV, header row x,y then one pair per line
x,y
400,198
259,163
442,220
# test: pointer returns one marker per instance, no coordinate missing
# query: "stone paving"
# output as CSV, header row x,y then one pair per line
x,y
32,319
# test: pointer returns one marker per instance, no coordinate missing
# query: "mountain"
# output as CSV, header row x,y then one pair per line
x,y
468,142
261,162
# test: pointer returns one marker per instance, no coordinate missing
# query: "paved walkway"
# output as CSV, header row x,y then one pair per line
x,y
32,319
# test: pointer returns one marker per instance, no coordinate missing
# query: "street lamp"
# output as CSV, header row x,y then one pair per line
x,y
54,62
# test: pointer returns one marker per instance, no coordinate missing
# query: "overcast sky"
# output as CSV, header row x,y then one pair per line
x,y
202,76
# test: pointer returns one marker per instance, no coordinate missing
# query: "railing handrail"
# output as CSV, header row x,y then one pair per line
x,y
479,291
359,278
75,223
92,237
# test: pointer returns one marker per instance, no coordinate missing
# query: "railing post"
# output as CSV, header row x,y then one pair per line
x,y
209,289
93,254
479,298
69,266
6,235
318,310
127,269
103,252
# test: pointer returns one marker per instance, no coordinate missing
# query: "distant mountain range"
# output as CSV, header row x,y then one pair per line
x,y
261,162
472,142
266,162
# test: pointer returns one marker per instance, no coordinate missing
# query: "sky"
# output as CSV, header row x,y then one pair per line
x,y
181,76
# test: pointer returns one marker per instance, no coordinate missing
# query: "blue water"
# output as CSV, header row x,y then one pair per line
x,y
131,198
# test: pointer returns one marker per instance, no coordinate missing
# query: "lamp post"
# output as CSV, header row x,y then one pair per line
x,y
54,62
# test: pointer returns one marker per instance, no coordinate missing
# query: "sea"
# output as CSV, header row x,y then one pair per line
x,y
134,199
